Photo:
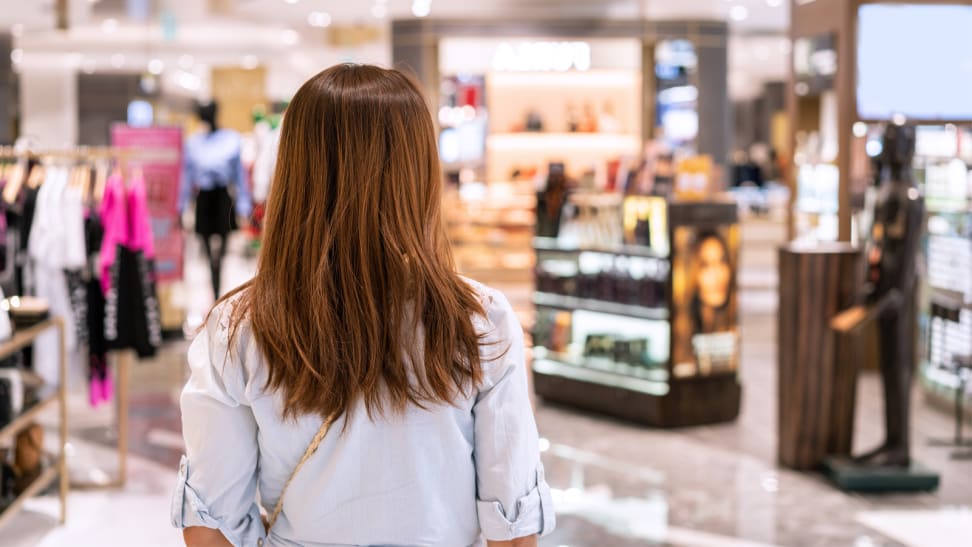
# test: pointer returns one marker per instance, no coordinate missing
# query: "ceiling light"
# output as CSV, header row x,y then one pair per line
x,y
186,62
774,3
291,1
109,25
250,62
16,55
421,8
156,66
738,13
379,11
290,37
319,19
118,60
860,129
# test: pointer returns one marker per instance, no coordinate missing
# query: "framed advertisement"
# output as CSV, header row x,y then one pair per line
x,y
705,334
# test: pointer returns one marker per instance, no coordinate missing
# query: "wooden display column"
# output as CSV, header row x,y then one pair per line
x,y
816,386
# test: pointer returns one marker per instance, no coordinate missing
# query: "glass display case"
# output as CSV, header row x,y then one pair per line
x,y
643,328
942,160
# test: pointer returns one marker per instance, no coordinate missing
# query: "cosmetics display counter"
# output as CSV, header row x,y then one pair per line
x,y
643,330
942,167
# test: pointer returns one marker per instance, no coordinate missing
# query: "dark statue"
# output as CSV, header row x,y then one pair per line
x,y
892,278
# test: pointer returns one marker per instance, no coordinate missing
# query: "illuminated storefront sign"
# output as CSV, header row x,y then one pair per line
x,y
542,56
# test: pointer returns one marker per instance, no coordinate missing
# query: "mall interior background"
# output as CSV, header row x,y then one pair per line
x,y
591,151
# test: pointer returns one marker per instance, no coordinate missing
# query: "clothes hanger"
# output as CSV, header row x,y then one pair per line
x,y
36,177
101,178
15,182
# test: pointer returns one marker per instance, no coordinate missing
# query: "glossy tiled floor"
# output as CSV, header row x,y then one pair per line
x,y
615,484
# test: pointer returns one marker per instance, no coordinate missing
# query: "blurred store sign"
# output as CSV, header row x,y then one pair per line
x,y
221,6
352,35
542,56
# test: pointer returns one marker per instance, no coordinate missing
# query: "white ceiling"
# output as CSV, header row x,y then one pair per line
x,y
263,29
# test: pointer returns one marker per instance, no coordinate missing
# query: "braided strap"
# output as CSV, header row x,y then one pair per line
x,y
311,449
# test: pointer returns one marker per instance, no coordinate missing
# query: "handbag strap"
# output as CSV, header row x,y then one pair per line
x,y
311,448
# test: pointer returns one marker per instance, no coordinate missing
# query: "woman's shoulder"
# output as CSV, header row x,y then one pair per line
x,y
494,302
223,349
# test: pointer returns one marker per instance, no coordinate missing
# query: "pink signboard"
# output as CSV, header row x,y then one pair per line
x,y
158,150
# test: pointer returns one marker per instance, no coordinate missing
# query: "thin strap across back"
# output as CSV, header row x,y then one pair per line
x,y
311,449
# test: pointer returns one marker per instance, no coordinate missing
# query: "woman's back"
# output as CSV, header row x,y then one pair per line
x,y
435,476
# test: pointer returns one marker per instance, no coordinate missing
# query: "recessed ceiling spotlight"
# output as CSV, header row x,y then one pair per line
x,y
738,13
421,8
774,3
16,56
156,66
291,1
379,11
109,25
319,19
290,37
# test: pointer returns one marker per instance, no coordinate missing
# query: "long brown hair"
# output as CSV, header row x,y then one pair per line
x,y
356,293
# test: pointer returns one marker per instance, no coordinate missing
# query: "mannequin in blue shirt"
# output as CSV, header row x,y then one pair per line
x,y
213,165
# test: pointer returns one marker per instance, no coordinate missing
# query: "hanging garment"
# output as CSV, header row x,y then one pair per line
x,y
100,385
56,244
131,305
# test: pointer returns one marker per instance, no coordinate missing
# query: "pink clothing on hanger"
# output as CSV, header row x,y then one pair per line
x,y
125,218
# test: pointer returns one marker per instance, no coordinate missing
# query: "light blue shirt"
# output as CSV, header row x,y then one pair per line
x,y
213,160
448,476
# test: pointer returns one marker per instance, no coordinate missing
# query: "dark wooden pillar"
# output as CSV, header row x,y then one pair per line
x,y
816,388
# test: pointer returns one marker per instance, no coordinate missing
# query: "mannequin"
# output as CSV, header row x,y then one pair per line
x,y
212,164
892,277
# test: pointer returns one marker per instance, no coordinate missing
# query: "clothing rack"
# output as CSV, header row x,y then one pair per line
x,y
122,358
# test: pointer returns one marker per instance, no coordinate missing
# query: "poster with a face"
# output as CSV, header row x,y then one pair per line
x,y
705,338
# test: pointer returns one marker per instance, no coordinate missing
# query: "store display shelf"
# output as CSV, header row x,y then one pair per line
x,y
24,337
40,483
550,244
571,303
658,373
610,379
562,142
951,295
27,417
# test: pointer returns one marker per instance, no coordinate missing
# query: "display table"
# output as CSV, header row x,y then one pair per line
x,y
817,368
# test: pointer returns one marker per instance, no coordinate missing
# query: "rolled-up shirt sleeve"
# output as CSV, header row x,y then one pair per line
x,y
513,497
217,477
